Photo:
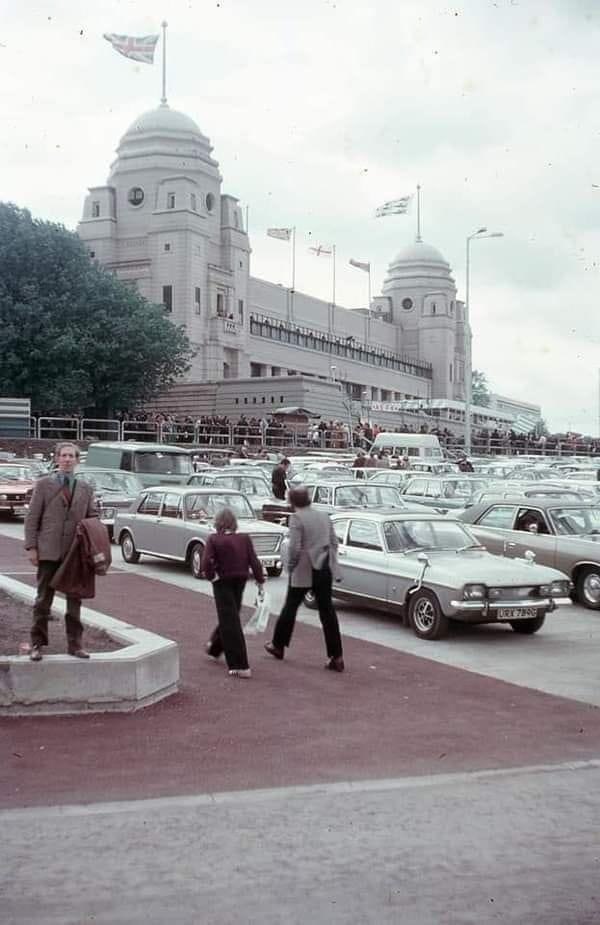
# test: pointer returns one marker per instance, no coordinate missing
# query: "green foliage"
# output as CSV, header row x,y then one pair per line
x,y
480,389
73,335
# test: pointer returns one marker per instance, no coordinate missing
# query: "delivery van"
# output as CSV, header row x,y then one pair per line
x,y
153,463
415,446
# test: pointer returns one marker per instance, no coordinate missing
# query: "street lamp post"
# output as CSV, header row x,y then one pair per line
x,y
468,366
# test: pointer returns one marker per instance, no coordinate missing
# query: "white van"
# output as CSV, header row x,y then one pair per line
x,y
415,446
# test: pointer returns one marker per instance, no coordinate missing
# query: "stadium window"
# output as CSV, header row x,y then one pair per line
x,y
193,202
167,298
197,300
170,200
95,209
167,246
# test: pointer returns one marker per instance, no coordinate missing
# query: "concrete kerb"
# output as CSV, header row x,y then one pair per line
x,y
144,671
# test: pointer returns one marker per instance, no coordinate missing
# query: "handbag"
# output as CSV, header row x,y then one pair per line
x,y
259,620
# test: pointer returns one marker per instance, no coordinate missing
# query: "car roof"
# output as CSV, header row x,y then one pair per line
x,y
107,469
193,490
542,504
133,445
384,514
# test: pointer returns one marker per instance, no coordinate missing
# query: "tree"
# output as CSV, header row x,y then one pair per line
x,y
480,389
73,336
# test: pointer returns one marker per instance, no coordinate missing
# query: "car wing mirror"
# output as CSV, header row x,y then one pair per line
x,y
529,555
424,560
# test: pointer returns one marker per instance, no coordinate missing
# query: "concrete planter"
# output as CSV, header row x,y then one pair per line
x,y
144,671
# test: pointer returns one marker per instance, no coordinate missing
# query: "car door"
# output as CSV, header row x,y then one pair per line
x,y
144,527
169,535
521,539
494,527
322,498
365,565
416,490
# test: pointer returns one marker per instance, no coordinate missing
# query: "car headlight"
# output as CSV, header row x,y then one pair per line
x,y
474,592
108,512
3,497
560,588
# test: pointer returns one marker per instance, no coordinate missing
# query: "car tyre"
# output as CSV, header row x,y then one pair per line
x,y
587,587
195,560
128,550
274,571
527,627
425,615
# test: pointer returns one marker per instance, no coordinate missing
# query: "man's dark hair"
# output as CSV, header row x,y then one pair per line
x,y
298,497
284,462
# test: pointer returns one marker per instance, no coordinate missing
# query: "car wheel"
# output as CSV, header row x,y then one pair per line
x,y
426,617
196,560
587,587
128,550
527,627
310,600
274,571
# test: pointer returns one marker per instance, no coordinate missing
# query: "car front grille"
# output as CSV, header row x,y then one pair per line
x,y
266,544
513,594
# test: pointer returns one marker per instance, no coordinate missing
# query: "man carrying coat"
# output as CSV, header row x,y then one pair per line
x,y
311,560
59,502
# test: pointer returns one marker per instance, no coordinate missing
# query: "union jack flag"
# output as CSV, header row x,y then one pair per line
x,y
140,48
321,250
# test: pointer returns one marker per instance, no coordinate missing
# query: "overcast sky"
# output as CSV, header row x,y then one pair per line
x,y
319,111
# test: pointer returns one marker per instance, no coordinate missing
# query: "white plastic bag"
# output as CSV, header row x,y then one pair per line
x,y
259,620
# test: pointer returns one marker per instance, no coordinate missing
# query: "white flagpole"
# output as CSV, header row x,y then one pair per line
x,y
418,214
333,251
247,216
164,64
369,289
294,258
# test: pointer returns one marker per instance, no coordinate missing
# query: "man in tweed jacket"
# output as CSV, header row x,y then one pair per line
x,y
58,503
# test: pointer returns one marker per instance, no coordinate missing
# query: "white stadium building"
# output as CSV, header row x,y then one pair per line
x,y
163,223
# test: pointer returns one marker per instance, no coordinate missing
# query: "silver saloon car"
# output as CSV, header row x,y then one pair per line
x,y
174,522
431,570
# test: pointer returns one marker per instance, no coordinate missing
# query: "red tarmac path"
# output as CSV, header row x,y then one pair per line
x,y
390,715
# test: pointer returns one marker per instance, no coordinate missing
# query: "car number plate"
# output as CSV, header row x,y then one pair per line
x,y
516,613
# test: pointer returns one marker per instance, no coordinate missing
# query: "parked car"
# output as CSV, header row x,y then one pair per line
x,y
444,494
331,496
431,569
115,491
562,534
153,463
15,494
252,484
174,522
23,469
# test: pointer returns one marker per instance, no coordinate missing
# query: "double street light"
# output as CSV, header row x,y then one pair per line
x,y
480,233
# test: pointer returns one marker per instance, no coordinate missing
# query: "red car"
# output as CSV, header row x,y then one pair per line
x,y
15,492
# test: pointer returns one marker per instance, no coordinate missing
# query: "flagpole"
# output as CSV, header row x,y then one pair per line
x,y
418,214
247,214
294,258
163,101
333,302
369,290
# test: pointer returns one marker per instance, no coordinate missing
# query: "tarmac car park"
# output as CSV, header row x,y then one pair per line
x,y
432,570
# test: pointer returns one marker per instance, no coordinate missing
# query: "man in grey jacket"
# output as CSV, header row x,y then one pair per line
x,y
312,561
58,503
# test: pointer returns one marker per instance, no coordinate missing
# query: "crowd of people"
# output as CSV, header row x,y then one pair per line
x,y
279,432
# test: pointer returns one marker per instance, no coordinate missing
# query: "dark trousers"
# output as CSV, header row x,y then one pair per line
x,y
321,585
228,637
43,603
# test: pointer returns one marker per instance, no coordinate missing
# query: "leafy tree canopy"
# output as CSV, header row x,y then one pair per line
x,y
73,336
481,394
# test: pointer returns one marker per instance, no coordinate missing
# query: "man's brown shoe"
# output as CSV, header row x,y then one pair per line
x,y
78,652
36,654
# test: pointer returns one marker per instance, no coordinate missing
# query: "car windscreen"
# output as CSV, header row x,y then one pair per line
x,y
402,536
112,481
207,505
157,462
368,495
574,521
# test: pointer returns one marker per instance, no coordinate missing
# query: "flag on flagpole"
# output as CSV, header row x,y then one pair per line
x,y
282,234
394,207
361,264
321,250
139,48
